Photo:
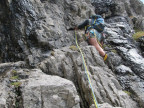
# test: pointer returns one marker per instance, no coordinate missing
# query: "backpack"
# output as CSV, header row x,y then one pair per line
x,y
97,22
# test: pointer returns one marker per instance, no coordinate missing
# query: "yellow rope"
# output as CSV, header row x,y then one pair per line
x,y
87,73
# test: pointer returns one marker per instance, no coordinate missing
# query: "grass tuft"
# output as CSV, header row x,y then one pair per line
x,y
127,92
138,34
14,77
74,48
14,72
114,51
16,84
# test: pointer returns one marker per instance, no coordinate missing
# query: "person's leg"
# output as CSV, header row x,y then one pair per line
x,y
94,42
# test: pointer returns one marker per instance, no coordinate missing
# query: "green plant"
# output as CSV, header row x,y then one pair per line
x,y
138,34
114,51
14,72
127,92
74,48
16,84
14,77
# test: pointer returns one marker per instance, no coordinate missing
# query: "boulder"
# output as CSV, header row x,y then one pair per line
x,y
47,91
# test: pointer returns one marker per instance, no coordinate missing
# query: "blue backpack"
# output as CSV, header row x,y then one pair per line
x,y
97,22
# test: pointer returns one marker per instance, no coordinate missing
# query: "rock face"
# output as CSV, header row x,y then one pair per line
x,y
34,89
125,59
42,67
106,87
132,9
37,90
38,26
47,91
141,44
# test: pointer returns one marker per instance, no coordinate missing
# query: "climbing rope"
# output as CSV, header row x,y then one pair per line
x,y
87,73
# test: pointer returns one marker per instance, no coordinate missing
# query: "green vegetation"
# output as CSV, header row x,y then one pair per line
x,y
105,45
14,72
14,77
74,48
16,84
114,51
127,92
138,34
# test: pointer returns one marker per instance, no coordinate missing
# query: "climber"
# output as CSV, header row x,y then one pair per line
x,y
93,32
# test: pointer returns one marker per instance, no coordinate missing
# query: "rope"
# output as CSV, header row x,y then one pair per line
x,y
87,73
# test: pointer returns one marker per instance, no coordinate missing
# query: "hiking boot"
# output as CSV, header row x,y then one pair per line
x,y
105,57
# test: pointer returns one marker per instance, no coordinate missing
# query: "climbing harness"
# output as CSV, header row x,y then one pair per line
x,y
87,73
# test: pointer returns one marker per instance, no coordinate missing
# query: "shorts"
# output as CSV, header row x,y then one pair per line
x,y
94,33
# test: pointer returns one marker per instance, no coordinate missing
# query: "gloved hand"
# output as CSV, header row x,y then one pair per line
x,y
72,28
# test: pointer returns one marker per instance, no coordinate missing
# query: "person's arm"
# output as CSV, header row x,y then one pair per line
x,y
82,25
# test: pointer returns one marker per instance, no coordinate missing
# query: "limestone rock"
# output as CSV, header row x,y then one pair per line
x,y
129,69
67,63
37,90
47,91
123,70
35,31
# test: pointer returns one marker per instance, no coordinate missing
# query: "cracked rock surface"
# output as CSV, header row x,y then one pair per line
x,y
41,67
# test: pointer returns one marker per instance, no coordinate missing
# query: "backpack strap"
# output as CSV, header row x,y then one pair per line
x,y
94,21
96,25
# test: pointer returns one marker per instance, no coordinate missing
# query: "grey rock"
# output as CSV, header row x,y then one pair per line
x,y
141,41
105,85
39,26
130,57
46,91
123,70
105,105
37,90
136,61
137,87
36,32
5,67
113,60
